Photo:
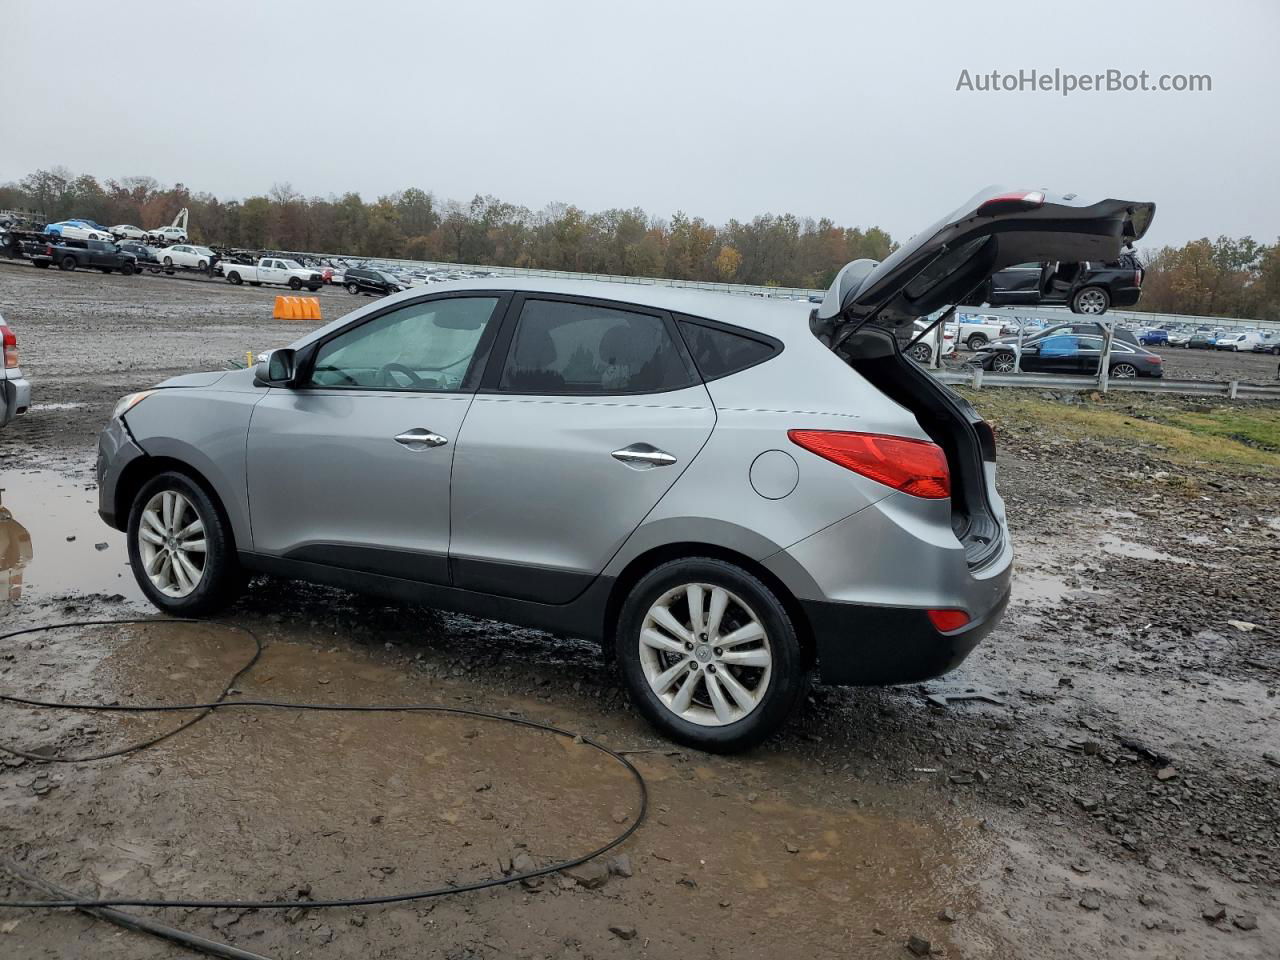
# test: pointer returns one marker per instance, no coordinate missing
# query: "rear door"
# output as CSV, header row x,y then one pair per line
x,y
352,469
1016,285
588,413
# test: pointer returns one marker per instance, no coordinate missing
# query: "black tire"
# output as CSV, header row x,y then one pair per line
x,y
105,269
222,579
313,287
353,288
234,278
789,673
67,263
168,261
976,341
1275,351
127,270
1092,301
295,283
202,265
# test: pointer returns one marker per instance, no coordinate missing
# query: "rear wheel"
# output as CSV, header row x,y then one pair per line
x,y
234,278
1124,371
105,269
1004,363
921,353
976,341
42,264
710,655
181,550
1091,300
67,263
127,269
255,283
353,288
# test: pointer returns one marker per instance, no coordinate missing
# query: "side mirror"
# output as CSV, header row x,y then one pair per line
x,y
277,369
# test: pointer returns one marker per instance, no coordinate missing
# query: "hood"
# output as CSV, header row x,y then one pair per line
x,y
996,228
193,380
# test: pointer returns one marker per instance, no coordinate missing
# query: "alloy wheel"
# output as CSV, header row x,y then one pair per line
x,y
171,543
1092,302
1124,371
1004,363
705,654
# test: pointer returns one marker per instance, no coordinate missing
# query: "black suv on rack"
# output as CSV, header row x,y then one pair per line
x,y
1087,287
365,280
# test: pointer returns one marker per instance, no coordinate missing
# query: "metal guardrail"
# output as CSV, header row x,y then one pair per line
x,y
977,378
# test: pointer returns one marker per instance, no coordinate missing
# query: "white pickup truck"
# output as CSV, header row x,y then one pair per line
x,y
274,270
974,330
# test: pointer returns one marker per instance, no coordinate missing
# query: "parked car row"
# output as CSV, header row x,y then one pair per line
x,y
1072,348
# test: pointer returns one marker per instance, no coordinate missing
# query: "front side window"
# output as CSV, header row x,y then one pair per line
x,y
579,348
422,347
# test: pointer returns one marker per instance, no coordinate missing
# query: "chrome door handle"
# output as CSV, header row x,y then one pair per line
x,y
420,438
642,456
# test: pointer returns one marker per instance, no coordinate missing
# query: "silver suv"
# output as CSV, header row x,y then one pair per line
x,y
727,492
15,391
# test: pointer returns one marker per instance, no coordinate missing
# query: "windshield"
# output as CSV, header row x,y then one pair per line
x,y
292,265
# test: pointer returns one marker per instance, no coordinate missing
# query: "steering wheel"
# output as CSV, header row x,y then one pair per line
x,y
385,380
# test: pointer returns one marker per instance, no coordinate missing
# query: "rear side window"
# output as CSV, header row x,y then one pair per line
x,y
580,348
719,352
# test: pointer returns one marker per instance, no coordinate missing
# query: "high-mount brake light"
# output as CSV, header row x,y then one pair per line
x,y
1016,202
917,467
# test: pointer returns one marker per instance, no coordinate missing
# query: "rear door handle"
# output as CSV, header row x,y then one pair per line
x,y
420,438
643,456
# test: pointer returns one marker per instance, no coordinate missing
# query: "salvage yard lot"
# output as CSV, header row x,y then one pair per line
x,y
1124,791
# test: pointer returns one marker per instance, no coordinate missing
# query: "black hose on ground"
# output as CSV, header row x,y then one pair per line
x,y
100,906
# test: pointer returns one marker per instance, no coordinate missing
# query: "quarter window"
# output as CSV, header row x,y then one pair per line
x,y
422,347
718,352
579,348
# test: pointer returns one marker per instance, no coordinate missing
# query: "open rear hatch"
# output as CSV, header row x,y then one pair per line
x,y
950,263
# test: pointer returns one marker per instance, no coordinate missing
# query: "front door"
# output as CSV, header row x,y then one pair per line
x,y
590,412
352,468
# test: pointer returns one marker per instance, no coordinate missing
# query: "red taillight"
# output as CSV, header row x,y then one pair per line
x,y
1014,202
48,250
1137,278
945,621
10,341
1156,358
917,467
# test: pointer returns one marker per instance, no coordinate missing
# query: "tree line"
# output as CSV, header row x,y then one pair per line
x,y
1225,277
413,224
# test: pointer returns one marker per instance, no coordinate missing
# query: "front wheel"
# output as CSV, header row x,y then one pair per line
x,y
105,269
295,283
710,655
202,265
181,550
168,261
353,288
313,287
127,269
921,353
1091,300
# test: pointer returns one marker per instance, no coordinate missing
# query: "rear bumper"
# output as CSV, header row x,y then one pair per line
x,y
15,398
1125,296
864,645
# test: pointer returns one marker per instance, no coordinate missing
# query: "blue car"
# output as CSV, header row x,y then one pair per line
x,y
1154,337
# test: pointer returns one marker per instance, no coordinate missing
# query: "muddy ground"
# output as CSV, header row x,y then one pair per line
x,y
1122,798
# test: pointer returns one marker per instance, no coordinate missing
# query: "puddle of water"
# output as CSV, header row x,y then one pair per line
x,y
1034,586
1118,545
39,511
35,407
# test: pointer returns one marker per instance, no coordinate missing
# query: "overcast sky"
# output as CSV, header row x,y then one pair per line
x,y
839,109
